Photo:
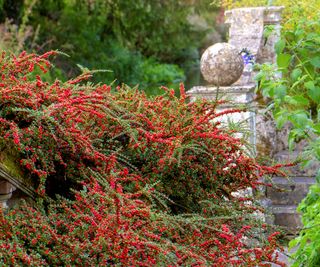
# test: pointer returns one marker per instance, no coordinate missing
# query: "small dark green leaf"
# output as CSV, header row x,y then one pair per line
x,y
280,91
279,46
313,91
300,120
318,176
315,62
283,60
271,92
296,74
297,100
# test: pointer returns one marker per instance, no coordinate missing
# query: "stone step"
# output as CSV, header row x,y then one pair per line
x,y
297,170
286,216
289,191
284,197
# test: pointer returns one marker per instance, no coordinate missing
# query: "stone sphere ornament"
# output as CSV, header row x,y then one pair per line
x,y
221,64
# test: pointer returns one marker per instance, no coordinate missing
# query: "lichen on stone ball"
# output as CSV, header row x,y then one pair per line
x,y
221,64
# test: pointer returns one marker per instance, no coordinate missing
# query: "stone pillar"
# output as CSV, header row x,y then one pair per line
x,y
246,30
6,190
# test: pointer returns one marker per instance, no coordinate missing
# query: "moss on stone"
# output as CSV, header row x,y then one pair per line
x,y
9,163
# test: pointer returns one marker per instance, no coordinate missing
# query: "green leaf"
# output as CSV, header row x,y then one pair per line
x,y
296,134
300,120
259,76
296,73
294,242
267,90
297,100
316,128
283,60
318,176
281,118
315,62
289,35
313,91
301,101
279,46
280,91
291,140
299,81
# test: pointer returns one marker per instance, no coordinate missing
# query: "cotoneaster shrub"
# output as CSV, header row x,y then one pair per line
x,y
124,180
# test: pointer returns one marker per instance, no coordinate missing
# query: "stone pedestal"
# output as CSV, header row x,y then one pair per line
x,y
237,96
246,31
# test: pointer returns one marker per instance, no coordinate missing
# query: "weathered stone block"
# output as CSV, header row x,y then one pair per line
x,y
297,170
289,191
288,217
6,187
237,95
246,31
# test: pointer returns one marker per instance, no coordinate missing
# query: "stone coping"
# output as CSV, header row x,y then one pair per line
x,y
293,180
269,14
16,182
288,209
208,90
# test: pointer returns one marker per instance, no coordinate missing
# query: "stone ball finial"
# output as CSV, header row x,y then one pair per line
x,y
221,64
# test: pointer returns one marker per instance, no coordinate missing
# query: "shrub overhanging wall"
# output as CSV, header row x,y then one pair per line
x,y
123,179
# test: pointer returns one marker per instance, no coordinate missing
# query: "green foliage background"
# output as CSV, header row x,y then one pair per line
x,y
142,42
